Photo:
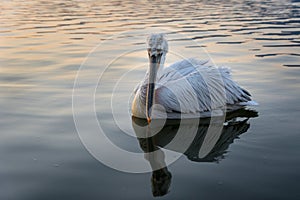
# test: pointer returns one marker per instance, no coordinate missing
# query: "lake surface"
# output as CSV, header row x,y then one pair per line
x,y
44,43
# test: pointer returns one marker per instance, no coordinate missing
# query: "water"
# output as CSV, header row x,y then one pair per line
x,y
43,44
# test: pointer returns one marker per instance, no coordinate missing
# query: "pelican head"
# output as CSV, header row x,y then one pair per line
x,y
157,49
157,43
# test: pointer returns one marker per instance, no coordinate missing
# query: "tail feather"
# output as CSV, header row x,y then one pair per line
x,y
249,103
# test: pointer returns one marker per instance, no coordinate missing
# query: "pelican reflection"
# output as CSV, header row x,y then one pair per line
x,y
200,140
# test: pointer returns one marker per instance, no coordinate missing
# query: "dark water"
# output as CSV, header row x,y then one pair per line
x,y
43,44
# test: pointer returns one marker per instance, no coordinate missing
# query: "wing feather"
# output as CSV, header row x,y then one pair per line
x,y
193,85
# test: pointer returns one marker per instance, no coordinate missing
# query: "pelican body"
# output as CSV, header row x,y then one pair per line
x,y
189,88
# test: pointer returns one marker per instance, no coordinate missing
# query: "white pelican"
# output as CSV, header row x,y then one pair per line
x,y
189,88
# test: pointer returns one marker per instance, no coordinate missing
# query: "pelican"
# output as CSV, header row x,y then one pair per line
x,y
189,88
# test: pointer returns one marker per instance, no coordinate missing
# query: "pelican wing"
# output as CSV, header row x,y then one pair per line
x,y
193,86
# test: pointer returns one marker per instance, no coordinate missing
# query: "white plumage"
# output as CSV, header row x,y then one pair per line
x,y
189,88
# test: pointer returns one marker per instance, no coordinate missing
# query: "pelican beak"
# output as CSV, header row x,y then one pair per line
x,y
154,60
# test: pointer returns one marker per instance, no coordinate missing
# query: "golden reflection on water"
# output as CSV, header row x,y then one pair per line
x,y
44,43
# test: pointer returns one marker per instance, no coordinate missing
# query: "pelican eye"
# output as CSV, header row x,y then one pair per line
x,y
155,51
159,50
